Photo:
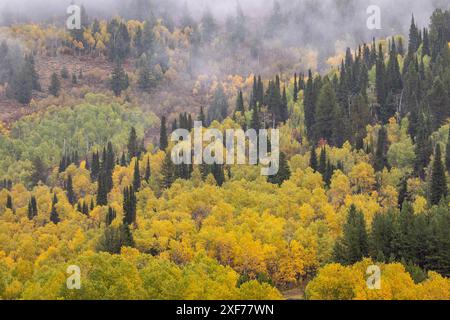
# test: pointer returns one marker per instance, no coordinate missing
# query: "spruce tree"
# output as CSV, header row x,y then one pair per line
x,y
167,172
325,109
119,80
447,153
71,197
55,85
163,142
353,245
313,159
309,105
54,216
102,192
136,176
439,103
133,146
438,183
322,168
284,172
380,161
240,103
147,171
129,206
9,202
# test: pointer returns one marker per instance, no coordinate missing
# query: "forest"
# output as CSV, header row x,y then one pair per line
x,y
87,179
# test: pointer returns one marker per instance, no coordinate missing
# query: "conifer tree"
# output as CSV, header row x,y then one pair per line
x,y
313,159
54,216
102,192
240,103
438,183
119,80
295,88
380,161
447,153
55,85
167,172
133,146
322,161
129,206
284,172
325,109
147,171
353,245
309,104
439,103
163,142
422,148
32,208
71,197
9,202
136,176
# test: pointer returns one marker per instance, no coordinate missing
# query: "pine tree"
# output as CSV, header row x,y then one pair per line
x,y
383,237
95,167
54,216
39,173
102,192
325,109
111,215
284,172
309,105
133,146
129,206
438,183
439,103
136,176
240,103
163,142
447,153
414,37
32,208
313,159
296,89
22,84
353,245
422,148
380,82
71,197
167,172
380,161
55,85
119,80
147,171
9,202
322,161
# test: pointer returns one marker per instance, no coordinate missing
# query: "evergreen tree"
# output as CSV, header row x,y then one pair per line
x,y
167,172
201,116
322,161
9,202
439,103
133,146
353,245
147,171
422,148
313,159
414,37
219,107
309,105
71,197
32,208
54,216
163,140
22,84
383,237
296,89
380,82
438,183
102,192
55,85
136,176
325,109
240,103
284,172
380,161
119,80
129,206
39,173
447,153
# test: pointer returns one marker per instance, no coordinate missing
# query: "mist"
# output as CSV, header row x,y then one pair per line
x,y
324,28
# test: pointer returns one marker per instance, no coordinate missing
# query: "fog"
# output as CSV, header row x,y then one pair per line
x,y
326,26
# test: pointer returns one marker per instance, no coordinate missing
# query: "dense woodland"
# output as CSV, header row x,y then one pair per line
x,y
87,179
